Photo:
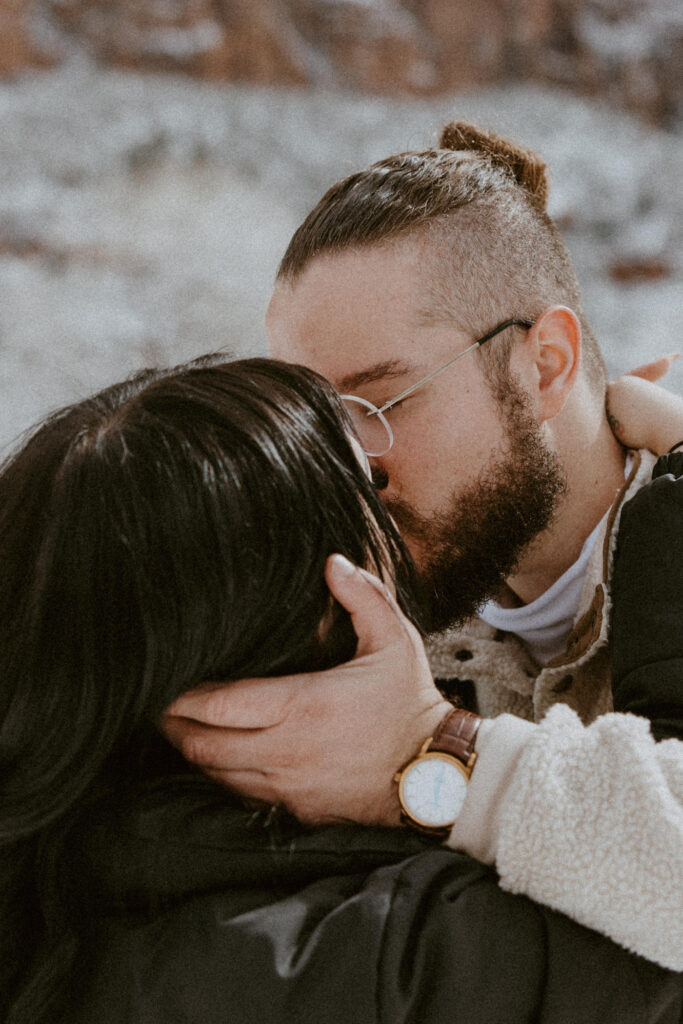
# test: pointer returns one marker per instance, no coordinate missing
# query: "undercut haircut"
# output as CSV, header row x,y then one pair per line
x,y
476,207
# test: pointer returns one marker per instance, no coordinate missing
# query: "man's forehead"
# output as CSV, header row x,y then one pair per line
x,y
349,362
341,339
358,319
374,276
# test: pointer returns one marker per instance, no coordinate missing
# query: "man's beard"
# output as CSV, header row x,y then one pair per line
x,y
475,543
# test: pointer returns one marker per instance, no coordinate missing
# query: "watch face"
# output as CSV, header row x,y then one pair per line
x,y
433,790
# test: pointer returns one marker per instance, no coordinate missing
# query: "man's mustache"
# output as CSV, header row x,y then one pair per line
x,y
408,519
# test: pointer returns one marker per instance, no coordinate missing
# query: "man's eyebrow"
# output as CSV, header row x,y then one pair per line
x,y
388,370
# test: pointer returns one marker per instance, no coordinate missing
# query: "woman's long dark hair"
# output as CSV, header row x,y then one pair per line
x,y
172,529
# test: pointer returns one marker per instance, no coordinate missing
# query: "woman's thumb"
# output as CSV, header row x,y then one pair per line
x,y
377,620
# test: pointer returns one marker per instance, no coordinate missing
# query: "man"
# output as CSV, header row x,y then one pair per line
x,y
507,483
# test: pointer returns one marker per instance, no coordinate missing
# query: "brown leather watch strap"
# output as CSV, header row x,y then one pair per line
x,y
457,734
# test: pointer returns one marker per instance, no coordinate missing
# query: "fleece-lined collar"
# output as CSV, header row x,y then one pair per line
x,y
505,676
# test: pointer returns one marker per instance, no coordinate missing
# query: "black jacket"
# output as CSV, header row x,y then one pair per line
x,y
200,914
647,620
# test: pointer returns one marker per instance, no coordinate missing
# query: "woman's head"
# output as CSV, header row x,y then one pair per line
x,y
171,529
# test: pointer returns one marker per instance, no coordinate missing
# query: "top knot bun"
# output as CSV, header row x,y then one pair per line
x,y
526,167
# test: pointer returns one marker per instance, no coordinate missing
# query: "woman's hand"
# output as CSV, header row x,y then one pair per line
x,y
324,744
643,415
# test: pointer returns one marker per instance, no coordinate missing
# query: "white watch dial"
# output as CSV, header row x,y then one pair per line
x,y
433,790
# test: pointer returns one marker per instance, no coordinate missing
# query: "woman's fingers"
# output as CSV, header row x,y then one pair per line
x,y
214,747
377,620
325,744
263,703
243,704
655,370
644,415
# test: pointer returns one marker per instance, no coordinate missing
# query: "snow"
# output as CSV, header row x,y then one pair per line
x,y
616,35
181,43
142,217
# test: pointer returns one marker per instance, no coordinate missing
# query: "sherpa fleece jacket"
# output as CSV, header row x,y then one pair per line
x,y
579,807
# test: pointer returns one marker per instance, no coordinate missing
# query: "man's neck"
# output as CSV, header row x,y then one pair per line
x,y
593,480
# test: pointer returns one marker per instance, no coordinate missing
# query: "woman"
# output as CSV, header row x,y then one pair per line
x,y
174,528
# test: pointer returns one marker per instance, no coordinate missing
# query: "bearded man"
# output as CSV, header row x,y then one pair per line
x,y
507,482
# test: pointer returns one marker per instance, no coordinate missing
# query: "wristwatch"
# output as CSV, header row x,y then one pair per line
x,y
432,787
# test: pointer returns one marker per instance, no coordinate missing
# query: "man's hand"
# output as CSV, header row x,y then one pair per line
x,y
643,415
324,744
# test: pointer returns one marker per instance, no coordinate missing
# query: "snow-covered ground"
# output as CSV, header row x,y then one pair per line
x,y
142,217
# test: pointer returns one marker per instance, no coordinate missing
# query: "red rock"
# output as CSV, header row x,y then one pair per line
x,y
638,271
382,49
17,51
623,52
237,40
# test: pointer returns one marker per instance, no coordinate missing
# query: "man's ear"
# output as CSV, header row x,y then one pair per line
x,y
555,348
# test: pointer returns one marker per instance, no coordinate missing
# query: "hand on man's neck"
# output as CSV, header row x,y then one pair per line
x,y
594,463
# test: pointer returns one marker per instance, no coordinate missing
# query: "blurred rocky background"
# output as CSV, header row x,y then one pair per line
x,y
155,156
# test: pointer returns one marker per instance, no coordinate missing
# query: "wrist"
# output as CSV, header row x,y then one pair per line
x,y
420,728
386,807
424,726
432,786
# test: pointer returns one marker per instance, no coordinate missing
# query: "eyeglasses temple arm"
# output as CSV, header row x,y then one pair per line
x,y
515,322
425,380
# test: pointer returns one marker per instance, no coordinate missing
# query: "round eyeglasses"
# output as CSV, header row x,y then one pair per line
x,y
370,423
372,427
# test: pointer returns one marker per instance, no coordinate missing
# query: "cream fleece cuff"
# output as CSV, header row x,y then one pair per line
x,y
500,743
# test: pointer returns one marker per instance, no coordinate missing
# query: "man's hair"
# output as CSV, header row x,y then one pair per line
x,y
172,529
476,207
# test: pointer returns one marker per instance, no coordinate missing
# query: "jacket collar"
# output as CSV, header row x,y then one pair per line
x,y
591,627
506,676
184,836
